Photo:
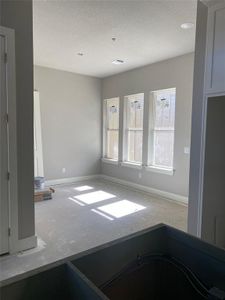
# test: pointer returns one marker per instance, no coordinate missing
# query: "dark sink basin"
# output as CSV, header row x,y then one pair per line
x,y
64,282
158,263
154,277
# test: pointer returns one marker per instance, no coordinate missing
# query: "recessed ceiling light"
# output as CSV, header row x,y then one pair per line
x,y
80,54
118,62
187,25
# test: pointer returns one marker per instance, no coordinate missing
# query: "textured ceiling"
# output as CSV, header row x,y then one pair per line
x,y
145,31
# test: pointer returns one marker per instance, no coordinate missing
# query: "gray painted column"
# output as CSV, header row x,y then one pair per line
x,y
194,217
18,15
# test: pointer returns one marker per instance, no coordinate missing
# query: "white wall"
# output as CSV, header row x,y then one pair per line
x,y
176,72
71,122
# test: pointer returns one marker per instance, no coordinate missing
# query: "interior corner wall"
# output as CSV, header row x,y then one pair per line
x,y
176,72
71,122
18,15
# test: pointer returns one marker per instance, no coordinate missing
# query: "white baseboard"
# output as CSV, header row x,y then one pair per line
x,y
153,192
70,180
138,187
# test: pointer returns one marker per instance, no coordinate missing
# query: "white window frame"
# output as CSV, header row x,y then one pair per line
x,y
152,167
106,159
126,162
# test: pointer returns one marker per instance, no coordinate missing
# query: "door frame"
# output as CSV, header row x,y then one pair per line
x,y
38,135
9,35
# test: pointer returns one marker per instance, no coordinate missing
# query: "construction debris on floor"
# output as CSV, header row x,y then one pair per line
x,y
43,194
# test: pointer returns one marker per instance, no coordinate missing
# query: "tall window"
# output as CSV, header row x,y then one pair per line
x,y
162,120
111,128
134,107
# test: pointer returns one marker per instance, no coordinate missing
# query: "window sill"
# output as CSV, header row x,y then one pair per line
x,y
131,165
160,170
110,161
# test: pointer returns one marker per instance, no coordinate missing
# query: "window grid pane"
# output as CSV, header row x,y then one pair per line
x,y
135,145
134,127
163,148
164,110
112,144
112,108
112,128
163,129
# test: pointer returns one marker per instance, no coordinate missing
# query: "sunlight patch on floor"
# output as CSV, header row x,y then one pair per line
x,y
102,214
94,197
74,200
83,188
121,208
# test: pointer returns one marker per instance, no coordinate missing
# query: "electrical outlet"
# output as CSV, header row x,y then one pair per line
x,y
186,150
63,170
139,175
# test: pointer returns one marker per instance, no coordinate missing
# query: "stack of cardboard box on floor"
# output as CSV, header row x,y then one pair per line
x,y
41,193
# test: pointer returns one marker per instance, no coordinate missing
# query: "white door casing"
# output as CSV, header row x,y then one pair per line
x,y
4,160
38,152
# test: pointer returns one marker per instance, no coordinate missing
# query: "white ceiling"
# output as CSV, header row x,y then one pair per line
x,y
145,31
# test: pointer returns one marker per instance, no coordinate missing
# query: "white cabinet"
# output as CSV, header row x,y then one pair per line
x,y
215,57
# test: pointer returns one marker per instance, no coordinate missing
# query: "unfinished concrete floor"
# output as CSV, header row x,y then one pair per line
x,y
86,214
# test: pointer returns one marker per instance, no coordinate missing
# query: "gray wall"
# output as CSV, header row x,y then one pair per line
x,y
176,72
0,12
197,118
71,122
18,15
213,209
